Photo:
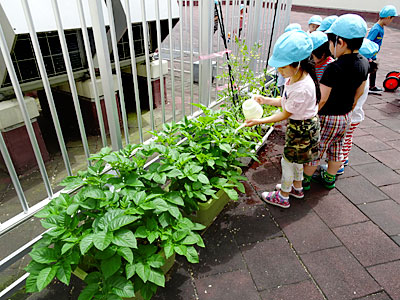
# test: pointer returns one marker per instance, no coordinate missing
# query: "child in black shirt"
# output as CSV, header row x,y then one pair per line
x,y
341,85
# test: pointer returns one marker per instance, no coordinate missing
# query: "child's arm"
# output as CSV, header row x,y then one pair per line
x,y
268,100
325,92
359,92
282,115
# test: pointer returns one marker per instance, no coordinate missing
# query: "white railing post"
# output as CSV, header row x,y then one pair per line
x,y
103,54
206,17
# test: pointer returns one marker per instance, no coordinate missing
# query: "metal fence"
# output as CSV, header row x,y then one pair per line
x,y
190,46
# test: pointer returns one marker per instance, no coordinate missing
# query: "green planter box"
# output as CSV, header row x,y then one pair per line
x,y
209,210
81,274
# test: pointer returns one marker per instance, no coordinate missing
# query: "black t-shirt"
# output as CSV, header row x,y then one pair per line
x,y
344,76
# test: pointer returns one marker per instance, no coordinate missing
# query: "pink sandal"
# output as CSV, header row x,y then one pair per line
x,y
275,199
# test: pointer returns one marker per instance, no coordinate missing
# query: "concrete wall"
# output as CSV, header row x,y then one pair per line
x,y
357,5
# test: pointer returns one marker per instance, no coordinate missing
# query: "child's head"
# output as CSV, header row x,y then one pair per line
x,y
293,26
346,34
327,23
387,14
368,48
314,22
320,46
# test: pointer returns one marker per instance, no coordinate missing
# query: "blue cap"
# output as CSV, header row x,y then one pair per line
x,y
318,38
293,26
292,46
349,26
315,20
327,23
388,11
241,6
368,48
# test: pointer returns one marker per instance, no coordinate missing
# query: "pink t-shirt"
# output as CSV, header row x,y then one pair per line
x,y
300,99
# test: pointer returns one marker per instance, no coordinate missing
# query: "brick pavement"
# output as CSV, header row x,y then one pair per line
x,y
338,244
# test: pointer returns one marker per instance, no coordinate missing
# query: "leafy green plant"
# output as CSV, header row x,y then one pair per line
x,y
206,161
245,82
119,227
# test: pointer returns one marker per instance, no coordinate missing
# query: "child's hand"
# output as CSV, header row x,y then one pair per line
x,y
253,122
259,99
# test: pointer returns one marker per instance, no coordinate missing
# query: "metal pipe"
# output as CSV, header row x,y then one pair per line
x,y
13,175
134,69
100,38
191,57
71,79
46,85
146,52
114,43
24,111
181,46
171,59
92,72
158,25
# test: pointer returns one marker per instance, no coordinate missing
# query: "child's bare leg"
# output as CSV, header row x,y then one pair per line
x,y
333,166
298,184
309,170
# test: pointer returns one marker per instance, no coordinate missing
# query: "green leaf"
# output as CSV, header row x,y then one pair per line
x,y
72,208
168,250
225,147
122,287
107,253
156,261
132,180
44,255
160,178
64,273
110,266
102,240
174,173
175,198
66,247
124,238
72,182
157,277
34,268
203,179
190,240
130,270
45,277
143,271
232,194
95,193
122,221
141,232
30,284
86,243
93,277
180,249
126,253
192,255
89,292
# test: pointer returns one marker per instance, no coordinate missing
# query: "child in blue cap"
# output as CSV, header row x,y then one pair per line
x,y
299,104
341,85
313,23
376,33
321,53
368,49
327,23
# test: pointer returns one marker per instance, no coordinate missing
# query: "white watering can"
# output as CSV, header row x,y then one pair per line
x,y
251,110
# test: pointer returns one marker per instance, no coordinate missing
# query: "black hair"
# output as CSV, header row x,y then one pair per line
x,y
322,51
308,66
352,44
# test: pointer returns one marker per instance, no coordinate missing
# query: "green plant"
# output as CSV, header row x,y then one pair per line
x,y
245,82
207,159
118,227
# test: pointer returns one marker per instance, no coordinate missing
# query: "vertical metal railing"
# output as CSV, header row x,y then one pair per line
x,y
71,78
46,85
92,73
118,69
257,25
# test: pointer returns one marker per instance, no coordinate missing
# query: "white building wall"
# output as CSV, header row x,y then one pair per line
x,y
357,5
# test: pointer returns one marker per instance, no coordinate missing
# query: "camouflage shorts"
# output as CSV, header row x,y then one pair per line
x,y
302,140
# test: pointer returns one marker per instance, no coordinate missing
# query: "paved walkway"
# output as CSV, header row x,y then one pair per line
x,y
338,244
